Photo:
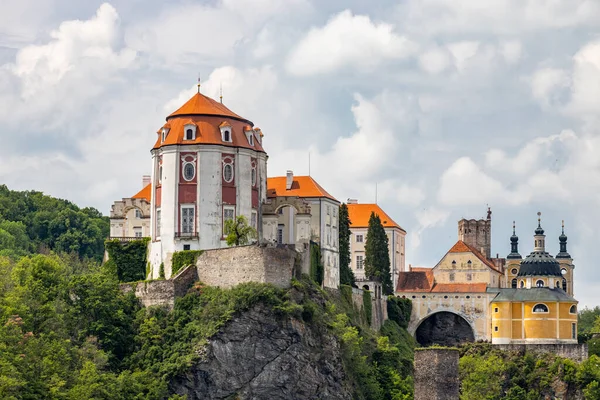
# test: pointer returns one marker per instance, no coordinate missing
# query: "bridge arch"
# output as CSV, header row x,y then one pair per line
x,y
445,328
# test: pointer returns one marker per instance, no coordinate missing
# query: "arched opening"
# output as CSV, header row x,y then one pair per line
x,y
540,308
513,284
366,287
539,283
285,225
573,309
564,285
445,329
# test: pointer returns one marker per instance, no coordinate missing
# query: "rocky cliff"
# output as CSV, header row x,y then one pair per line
x,y
260,355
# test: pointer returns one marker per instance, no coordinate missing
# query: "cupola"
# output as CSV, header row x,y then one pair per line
x,y
539,262
563,244
514,245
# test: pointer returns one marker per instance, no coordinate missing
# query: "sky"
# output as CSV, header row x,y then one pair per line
x,y
437,109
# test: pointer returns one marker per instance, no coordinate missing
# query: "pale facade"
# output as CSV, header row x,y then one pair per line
x,y
359,223
130,217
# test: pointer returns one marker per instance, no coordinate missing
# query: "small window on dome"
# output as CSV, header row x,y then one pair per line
x,y
251,139
226,135
539,283
189,134
540,308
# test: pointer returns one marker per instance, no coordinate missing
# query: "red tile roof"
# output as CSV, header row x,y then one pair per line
x,y
302,186
462,247
459,288
360,213
204,105
145,193
415,281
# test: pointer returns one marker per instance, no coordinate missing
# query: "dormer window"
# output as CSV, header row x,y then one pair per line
x,y
164,133
225,132
189,132
251,139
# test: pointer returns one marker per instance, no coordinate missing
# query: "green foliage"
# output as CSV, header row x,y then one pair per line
x,y
238,231
399,310
181,259
31,221
489,373
346,274
368,305
377,256
588,325
161,271
317,271
130,258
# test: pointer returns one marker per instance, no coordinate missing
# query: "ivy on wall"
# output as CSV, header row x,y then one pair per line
x,y
399,310
130,258
367,305
317,271
182,258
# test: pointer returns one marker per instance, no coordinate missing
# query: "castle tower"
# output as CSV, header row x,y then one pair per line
x,y
477,233
208,165
566,263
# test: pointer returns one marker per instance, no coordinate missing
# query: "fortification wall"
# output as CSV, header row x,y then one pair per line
x,y
576,352
162,292
231,266
436,374
379,307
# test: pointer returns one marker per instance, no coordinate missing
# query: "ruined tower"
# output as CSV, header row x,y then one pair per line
x,y
477,233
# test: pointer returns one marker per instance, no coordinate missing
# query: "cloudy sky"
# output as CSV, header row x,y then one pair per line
x,y
447,106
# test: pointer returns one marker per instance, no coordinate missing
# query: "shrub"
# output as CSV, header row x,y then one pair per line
x,y
368,306
129,258
399,310
182,258
317,271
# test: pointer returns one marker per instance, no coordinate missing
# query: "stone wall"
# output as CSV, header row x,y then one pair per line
x,y
576,352
379,310
163,292
231,266
436,374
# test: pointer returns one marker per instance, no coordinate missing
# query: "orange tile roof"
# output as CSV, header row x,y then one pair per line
x,y
360,213
415,281
145,193
462,247
204,105
302,186
459,288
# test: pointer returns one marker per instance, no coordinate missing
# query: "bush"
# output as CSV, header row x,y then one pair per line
x,y
368,305
183,258
317,271
129,258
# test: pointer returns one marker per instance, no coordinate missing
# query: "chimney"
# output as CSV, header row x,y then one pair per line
x,y
352,201
409,267
145,180
289,179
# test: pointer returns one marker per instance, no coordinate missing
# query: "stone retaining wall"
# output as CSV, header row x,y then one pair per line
x,y
436,374
575,352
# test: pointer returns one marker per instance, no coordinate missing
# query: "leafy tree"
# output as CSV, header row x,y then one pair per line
x,y
377,256
238,231
346,274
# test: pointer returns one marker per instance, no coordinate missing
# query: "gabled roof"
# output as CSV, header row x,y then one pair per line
x,y
145,193
462,247
204,105
360,213
415,281
302,186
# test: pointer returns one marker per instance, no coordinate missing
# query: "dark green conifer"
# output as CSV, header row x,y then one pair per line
x,y
377,256
346,274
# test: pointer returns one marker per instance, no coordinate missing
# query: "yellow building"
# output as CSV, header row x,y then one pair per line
x,y
469,296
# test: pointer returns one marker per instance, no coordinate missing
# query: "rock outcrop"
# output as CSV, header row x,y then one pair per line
x,y
259,355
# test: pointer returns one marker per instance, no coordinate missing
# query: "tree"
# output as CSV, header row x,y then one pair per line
x,y
377,256
238,231
346,274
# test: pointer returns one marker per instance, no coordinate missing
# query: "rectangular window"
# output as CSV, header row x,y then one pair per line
x,y
451,276
158,222
359,238
137,232
186,247
280,211
253,219
496,309
280,234
359,262
138,213
228,213
187,219
496,329
469,276
573,330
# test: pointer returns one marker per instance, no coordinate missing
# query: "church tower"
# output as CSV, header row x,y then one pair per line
x,y
513,261
477,233
566,263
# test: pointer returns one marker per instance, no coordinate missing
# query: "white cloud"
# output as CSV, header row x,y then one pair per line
x,y
427,218
548,86
409,195
511,50
462,52
586,81
347,40
434,61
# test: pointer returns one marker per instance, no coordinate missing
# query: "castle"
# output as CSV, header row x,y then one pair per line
x,y
470,296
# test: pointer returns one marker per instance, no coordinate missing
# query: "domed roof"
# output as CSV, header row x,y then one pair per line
x,y
203,105
539,263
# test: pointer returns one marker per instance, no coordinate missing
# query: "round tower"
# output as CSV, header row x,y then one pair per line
x,y
209,165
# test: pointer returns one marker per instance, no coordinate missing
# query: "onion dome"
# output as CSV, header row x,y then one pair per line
x,y
514,245
563,244
539,262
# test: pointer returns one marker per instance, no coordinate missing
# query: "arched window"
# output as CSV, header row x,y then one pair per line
x,y
189,171
514,284
573,309
539,283
226,136
228,172
522,284
540,308
557,284
253,175
565,285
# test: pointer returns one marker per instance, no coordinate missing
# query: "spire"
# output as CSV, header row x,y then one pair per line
x,y
514,245
539,230
563,244
198,83
539,237
221,92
